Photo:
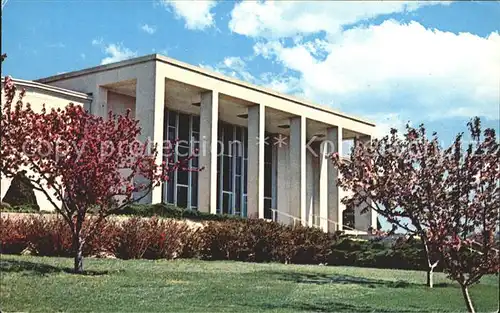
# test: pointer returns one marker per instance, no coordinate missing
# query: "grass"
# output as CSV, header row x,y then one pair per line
x,y
44,284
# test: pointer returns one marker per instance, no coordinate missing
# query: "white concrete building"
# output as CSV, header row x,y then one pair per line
x,y
269,162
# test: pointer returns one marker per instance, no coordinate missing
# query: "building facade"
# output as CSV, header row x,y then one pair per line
x,y
262,153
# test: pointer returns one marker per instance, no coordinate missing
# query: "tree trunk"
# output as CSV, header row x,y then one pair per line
x,y
468,301
78,253
430,273
431,266
78,242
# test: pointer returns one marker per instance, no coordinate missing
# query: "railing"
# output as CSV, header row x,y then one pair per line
x,y
296,220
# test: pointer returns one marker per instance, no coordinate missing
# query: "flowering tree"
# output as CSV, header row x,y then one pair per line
x,y
398,177
465,234
444,196
85,162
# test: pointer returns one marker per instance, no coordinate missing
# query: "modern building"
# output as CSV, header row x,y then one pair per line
x,y
270,157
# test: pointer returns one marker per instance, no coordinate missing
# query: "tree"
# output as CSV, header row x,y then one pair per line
x,y
85,162
450,197
465,236
398,177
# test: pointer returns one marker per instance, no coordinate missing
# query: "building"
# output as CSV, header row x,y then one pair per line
x,y
270,158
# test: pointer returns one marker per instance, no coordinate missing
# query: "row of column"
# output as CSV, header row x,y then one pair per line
x,y
150,102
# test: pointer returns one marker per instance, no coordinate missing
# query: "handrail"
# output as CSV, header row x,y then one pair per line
x,y
295,219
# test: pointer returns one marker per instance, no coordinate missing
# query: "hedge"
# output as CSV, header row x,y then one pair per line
x,y
249,240
145,210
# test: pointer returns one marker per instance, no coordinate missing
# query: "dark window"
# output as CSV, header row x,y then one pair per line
x,y
170,191
172,116
237,192
267,208
196,123
171,133
194,189
184,127
348,217
268,182
182,177
245,172
182,193
227,173
226,203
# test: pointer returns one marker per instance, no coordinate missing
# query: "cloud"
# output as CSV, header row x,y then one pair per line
x,y
403,69
278,19
197,15
238,68
116,53
150,29
97,41
83,56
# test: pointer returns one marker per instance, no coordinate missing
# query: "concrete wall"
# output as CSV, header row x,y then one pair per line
x,y
119,103
38,94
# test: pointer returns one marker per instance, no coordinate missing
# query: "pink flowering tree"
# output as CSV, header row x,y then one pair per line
x,y
84,162
449,198
399,177
467,225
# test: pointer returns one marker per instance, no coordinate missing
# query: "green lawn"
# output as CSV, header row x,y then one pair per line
x,y
42,284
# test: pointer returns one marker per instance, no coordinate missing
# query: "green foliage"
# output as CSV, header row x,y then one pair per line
x,y
171,211
21,192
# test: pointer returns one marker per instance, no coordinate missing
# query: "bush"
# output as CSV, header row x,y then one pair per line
x,y
256,240
151,239
12,235
170,211
249,240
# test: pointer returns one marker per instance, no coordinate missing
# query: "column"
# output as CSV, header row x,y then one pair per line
x,y
207,178
298,168
149,110
283,184
363,221
255,179
99,105
330,207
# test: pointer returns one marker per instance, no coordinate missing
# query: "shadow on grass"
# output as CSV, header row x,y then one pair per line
x,y
332,306
15,266
321,279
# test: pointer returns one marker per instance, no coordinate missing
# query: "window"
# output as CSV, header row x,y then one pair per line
x,y
182,187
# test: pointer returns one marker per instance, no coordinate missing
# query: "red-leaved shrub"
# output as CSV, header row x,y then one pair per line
x,y
12,235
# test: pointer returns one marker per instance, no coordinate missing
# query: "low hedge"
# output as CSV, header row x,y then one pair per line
x,y
171,211
249,240
145,210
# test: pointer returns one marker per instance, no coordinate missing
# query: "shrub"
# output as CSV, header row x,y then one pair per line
x,y
151,239
170,211
48,236
12,235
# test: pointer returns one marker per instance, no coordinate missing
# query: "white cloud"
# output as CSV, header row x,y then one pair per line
x,y
97,41
116,53
150,29
82,55
237,67
404,69
278,19
196,14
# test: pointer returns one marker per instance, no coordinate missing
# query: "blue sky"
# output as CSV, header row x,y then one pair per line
x,y
434,62
392,62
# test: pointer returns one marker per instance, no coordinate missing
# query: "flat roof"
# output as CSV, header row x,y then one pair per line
x,y
51,89
202,71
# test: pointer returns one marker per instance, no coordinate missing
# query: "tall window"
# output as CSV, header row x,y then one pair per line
x,y
182,187
232,166
231,169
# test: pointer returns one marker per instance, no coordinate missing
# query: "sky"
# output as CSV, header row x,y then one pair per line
x,y
392,62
